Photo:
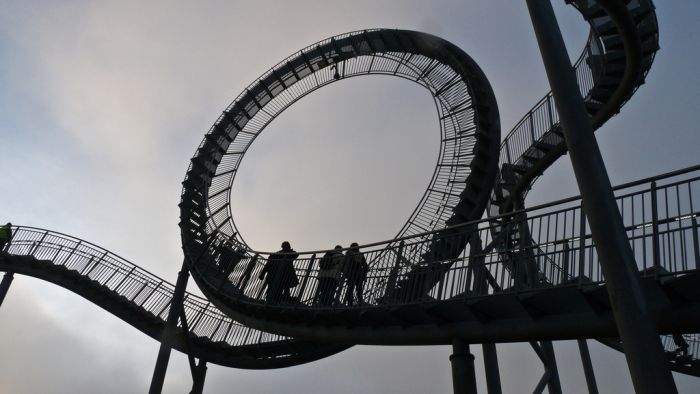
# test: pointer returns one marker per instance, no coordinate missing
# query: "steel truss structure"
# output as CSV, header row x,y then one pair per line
x,y
450,275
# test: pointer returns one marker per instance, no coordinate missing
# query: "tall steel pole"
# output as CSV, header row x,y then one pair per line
x,y
641,343
169,331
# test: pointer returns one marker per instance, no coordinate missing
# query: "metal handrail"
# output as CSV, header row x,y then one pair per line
x,y
564,254
431,211
142,288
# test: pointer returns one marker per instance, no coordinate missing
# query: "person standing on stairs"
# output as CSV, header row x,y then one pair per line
x,y
279,274
5,235
329,275
355,270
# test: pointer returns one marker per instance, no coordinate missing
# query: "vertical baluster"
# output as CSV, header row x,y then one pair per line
x,y
582,245
508,152
126,276
696,245
655,231
36,245
305,280
565,262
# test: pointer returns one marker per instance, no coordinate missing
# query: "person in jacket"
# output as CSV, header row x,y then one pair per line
x,y
355,270
330,266
5,235
279,274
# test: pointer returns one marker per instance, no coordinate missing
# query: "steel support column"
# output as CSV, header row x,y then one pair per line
x,y
493,376
5,285
554,384
587,366
463,373
648,367
198,376
168,332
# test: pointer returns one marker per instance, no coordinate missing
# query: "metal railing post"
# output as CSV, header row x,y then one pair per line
x,y
305,280
36,245
582,247
696,244
656,252
565,262
508,152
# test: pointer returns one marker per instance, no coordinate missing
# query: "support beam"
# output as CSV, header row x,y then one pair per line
x,y
648,367
587,366
198,376
493,376
463,373
550,377
5,285
554,384
198,371
169,331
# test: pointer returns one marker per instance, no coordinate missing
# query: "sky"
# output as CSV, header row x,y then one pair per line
x,y
103,103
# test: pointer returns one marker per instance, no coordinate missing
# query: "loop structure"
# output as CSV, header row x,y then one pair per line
x,y
449,273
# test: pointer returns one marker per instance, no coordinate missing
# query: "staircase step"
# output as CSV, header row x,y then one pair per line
x,y
543,146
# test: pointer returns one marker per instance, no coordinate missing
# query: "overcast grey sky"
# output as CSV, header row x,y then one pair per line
x,y
103,103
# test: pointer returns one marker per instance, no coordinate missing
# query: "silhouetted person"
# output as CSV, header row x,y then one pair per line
x,y
681,343
279,274
355,271
229,258
330,266
5,235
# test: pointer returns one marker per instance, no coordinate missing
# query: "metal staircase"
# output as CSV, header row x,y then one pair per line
x,y
141,299
608,74
479,297
449,275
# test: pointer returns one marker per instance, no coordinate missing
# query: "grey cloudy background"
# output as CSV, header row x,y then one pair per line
x,y
103,103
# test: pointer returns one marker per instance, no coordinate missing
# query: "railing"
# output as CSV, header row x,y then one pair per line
x,y
543,116
660,216
351,54
141,288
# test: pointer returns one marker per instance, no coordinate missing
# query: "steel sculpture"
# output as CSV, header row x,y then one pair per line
x,y
450,276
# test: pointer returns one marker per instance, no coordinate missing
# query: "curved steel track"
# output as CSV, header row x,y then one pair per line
x,y
519,275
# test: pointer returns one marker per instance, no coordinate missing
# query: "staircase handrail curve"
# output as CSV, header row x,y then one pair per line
x,y
538,207
151,295
631,80
509,156
114,259
588,79
672,224
217,220
196,305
